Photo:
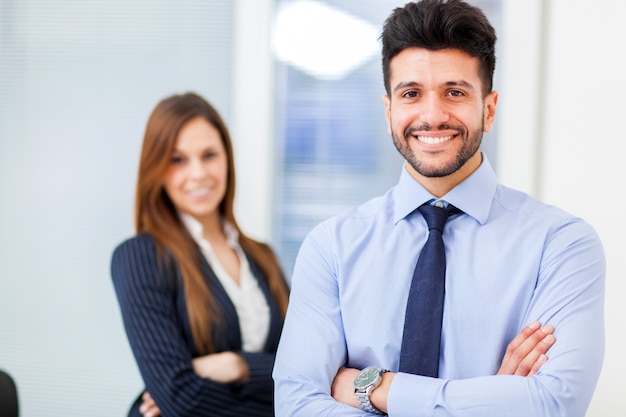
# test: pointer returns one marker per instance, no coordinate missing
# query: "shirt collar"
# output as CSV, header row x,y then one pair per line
x,y
197,230
473,196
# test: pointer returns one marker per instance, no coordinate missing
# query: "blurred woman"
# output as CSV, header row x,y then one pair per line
x,y
202,303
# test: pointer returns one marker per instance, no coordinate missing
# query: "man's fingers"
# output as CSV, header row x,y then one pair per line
x,y
537,343
531,340
528,365
523,335
540,361
512,356
526,352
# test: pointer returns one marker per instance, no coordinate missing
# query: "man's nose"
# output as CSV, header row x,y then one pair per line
x,y
434,110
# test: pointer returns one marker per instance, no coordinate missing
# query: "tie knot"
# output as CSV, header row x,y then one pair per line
x,y
435,217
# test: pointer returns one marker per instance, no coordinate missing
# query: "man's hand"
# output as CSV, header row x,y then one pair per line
x,y
527,352
342,389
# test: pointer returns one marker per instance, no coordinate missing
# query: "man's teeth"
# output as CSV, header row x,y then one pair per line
x,y
433,141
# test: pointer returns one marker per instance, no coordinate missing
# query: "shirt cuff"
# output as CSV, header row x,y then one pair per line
x,y
413,395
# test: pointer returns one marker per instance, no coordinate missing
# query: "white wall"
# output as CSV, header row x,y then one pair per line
x,y
253,116
562,138
584,153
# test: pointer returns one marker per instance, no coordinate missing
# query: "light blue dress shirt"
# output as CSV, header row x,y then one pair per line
x,y
510,260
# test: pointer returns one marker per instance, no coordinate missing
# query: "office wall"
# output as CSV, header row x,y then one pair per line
x,y
561,114
582,165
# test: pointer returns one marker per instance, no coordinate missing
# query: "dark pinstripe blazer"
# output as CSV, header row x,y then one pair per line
x,y
154,312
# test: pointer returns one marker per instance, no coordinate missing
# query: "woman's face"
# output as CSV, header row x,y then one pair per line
x,y
197,176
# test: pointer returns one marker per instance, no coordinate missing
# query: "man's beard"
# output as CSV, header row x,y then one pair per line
x,y
470,145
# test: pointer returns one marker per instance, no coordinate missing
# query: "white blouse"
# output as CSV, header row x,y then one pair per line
x,y
247,297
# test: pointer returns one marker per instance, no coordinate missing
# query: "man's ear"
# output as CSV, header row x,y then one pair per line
x,y
490,111
387,102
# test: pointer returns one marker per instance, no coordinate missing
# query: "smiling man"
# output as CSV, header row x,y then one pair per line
x,y
393,313
437,113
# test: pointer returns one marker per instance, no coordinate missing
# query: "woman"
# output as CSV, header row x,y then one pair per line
x,y
202,303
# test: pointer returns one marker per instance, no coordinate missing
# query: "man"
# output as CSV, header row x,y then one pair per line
x,y
510,260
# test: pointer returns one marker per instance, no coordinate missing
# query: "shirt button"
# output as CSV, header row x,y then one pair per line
x,y
439,204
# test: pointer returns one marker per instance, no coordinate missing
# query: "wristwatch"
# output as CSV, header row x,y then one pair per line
x,y
364,383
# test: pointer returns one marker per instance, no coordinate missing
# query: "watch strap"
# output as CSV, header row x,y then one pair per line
x,y
363,396
366,405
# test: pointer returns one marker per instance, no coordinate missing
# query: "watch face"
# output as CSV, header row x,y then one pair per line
x,y
366,377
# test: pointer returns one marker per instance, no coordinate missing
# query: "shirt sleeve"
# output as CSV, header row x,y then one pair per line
x,y
146,293
312,346
569,294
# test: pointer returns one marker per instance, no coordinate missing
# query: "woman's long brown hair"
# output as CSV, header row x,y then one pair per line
x,y
155,213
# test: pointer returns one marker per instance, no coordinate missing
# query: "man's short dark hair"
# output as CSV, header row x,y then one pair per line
x,y
440,24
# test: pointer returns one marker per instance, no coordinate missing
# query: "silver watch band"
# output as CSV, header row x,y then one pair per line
x,y
366,405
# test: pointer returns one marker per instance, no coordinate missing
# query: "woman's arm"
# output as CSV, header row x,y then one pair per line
x,y
147,295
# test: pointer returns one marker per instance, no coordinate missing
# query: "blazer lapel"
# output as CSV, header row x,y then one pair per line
x,y
228,335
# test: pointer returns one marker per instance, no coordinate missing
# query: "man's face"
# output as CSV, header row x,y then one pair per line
x,y
436,112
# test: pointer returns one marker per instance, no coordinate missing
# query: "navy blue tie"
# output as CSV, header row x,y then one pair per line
x,y
424,312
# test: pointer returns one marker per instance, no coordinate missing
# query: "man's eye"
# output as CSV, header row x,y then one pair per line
x,y
456,93
410,94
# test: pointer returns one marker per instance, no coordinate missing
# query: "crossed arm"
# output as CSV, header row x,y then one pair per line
x,y
523,357
223,367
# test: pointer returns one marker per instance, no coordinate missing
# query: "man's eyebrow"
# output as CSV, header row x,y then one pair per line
x,y
406,84
414,84
460,83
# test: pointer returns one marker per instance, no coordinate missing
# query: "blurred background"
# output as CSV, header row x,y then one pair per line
x,y
299,83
